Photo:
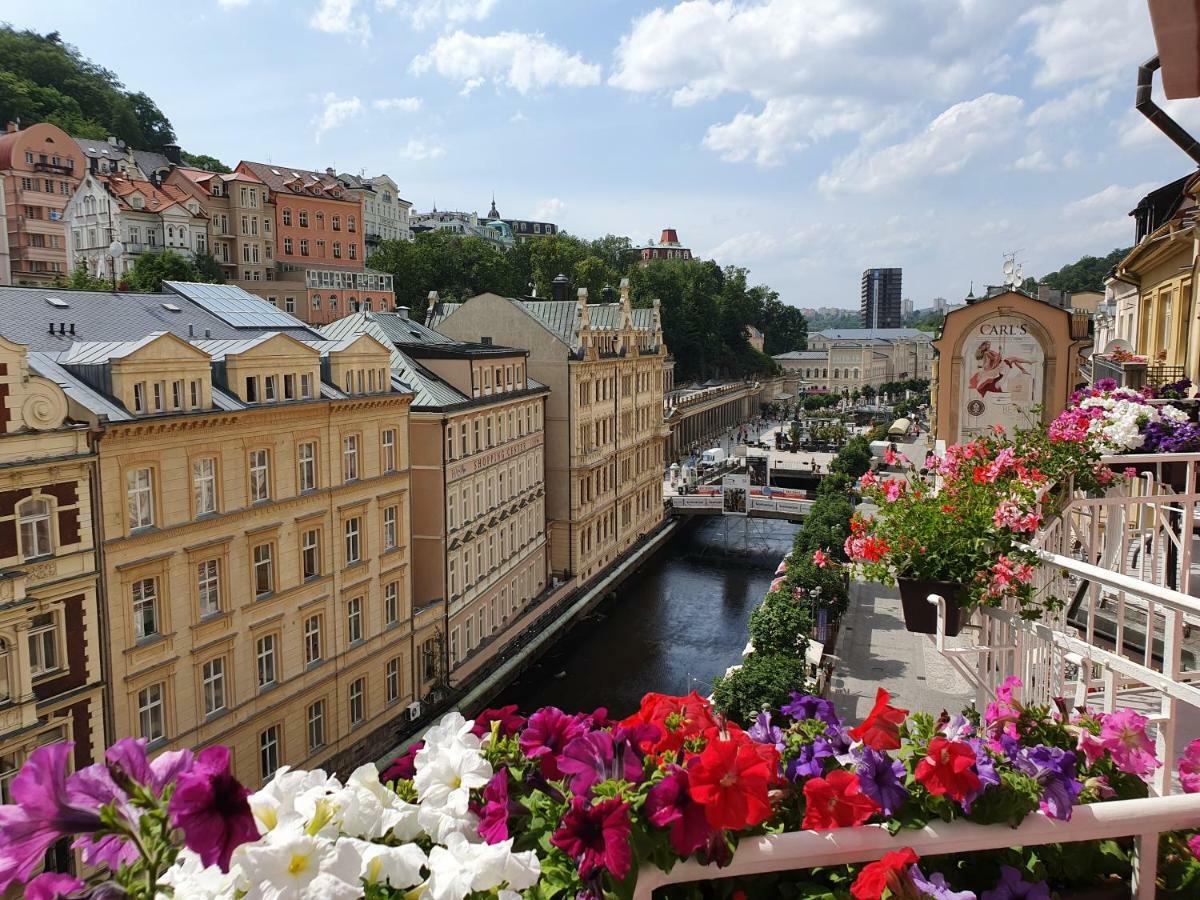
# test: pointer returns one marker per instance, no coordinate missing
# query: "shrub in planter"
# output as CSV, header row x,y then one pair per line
x,y
823,583
764,681
780,623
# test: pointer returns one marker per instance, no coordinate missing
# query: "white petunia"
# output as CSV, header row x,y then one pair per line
x,y
369,810
290,865
190,878
461,867
399,867
452,731
454,770
454,817
290,795
451,870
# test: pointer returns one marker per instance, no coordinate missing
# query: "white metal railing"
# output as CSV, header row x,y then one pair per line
x,y
795,850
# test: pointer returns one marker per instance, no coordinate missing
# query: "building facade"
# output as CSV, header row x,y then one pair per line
x,y
241,221
40,167
480,555
604,365
385,212
51,649
880,301
467,224
668,247
843,360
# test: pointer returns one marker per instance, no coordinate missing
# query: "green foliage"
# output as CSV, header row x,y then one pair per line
x,y
842,318
764,680
208,269
205,162
1085,274
150,270
854,460
779,624
80,280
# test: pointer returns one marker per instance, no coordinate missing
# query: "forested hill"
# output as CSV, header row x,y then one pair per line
x,y
1086,273
43,79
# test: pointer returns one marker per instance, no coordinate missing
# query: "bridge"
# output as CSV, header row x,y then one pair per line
x,y
708,502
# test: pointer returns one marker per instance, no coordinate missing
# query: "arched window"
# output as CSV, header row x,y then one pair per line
x,y
33,519
824,373
856,374
350,223
835,373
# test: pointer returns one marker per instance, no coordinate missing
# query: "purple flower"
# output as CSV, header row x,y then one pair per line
x,y
493,818
810,762
1053,769
806,706
547,734
934,887
1013,887
48,806
595,757
882,779
211,808
508,717
97,785
128,762
403,768
958,728
52,886
985,768
669,805
764,732
596,837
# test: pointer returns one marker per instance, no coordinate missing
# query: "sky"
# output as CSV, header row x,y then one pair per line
x,y
803,139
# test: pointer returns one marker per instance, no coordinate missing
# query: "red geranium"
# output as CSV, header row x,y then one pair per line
x,y
949,768
731,779
679,718
880,730
836,801
883,875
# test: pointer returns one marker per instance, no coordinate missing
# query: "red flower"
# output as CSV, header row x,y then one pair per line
x,y
880,730
949,768
731,780
836,801
883,875
679,718
596,837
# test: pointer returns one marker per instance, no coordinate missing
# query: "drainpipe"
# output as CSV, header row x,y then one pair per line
x,y
1157,115
95,433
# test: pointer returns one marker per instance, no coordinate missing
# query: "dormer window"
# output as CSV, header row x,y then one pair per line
x,y
135,201
269,391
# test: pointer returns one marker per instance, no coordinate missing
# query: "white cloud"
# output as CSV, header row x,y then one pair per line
x,y
1104,215
417,150
341,17
518,117
336,112
231,4
946,145
550,210
1037,161
1070,106
1136,132
784,125
513,58
401,104
445,13
1068,35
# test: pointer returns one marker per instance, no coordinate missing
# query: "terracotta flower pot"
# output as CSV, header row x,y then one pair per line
x,y
920,616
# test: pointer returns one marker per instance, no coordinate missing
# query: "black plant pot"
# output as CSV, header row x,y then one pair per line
x,y
1175,473
920,616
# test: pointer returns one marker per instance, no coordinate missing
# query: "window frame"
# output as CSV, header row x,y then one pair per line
x,y
146,711
40,526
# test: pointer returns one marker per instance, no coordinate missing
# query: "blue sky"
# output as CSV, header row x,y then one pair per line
x,y
804,139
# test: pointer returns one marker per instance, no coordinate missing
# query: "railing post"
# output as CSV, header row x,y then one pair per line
x,y
1145,866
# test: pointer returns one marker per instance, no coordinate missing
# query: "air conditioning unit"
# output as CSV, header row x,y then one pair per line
x,y
414,711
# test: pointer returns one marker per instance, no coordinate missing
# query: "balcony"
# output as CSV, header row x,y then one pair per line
x,y
54,168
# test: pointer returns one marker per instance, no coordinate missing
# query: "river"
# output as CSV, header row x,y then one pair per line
x,y
676,624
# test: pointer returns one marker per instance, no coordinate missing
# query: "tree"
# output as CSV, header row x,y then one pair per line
x,y
150,270
779,625
208,268
82,280
764,681
1085,274
207,163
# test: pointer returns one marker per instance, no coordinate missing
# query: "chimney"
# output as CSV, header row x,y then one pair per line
x,y
403,311
11,127
625,290
191,330
173,154
51,324
330,172
560,288
207,333
72,329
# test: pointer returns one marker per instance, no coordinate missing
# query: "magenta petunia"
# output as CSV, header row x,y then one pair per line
x,y
402,768
1123,734
508,717
669,805
596,837
596,757
547,734
210,807
52,886
1189,768
127,759
494,815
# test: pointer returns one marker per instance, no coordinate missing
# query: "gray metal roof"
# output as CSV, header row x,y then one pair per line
x,y
392,328
563,317
802,354
235,306
862,334
86,396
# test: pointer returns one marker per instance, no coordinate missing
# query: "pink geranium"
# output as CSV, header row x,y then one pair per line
x,y
1123,734
893,489
820,560
1189,768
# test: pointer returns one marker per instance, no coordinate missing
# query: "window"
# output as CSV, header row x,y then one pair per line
x,y
212,677
287,246
316,726
264,651
260,472
264,570
268,752
270,392
393,680
389,450
289,385
389,528
139,485
391,603
145,608
353,540
151,717
158,396
306,455
454,654
350,457
358,692
312,640
251,388
204,486
208,586
337,222
428,660
306,379
304,246
354,620
337,249
350,223
304,218
287,216
43,645
33,518
310,554
353,250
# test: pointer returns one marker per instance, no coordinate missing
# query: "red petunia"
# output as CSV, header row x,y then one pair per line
x,y
949,768
731,780
836,801
679,718
883,875
880,730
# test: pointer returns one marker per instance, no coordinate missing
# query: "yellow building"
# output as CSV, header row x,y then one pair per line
x,y
479,550
604,365
50,637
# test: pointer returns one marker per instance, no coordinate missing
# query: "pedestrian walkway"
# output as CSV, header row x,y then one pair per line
x,y
874,650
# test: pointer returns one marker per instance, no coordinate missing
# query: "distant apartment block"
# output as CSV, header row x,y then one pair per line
x,y
385,212
880,304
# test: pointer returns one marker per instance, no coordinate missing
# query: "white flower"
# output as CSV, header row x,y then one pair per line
x,y
460,867
399,867
453,817
1174,413
453,770
291,795
289,865
452,731
367,809
190,878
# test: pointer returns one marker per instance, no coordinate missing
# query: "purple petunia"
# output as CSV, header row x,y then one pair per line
x,y
1013,887
985,768
669,805
212,809
493,817
595,757
763,732
1053,769
806,706
882,779
547,734
934,887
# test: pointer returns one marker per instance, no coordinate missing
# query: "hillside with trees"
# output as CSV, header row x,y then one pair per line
x,y
1085,274
705,307
43,79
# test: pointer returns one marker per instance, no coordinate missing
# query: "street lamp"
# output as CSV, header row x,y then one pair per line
x,y
115,251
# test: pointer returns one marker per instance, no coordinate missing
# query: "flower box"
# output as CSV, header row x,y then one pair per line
x,y
920,616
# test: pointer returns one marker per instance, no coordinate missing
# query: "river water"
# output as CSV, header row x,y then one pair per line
x,y
674,625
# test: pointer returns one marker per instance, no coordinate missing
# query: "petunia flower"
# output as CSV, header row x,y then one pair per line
x,y
1013,887
292,864
806,706
596,836
763,732
1189,768
882,779
127,761
985,768
676,718
949,768
731,779
595,757
546,735
1054,770
493,817
934,887
836,801
403,767
1123,734
880,730
886,874
397,867
211,807
510,721
52,886
669,805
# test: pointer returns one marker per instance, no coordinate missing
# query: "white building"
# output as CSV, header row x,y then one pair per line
x,y
385,212
843,360
144,217
467,224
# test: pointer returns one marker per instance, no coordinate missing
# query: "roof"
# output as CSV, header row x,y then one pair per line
x,y
100,148
563,317
802,354
398,328
203,175
240,308
282,179
156,198
861,334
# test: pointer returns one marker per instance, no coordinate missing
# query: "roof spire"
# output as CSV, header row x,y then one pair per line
x,y
492,213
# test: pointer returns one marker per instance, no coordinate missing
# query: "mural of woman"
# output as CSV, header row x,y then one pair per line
x,y
991,369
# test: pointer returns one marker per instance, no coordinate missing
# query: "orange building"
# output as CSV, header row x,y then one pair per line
x,y
40,167
321,261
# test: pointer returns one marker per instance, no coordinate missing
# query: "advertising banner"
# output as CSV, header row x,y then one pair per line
x,y
735,491
1003,367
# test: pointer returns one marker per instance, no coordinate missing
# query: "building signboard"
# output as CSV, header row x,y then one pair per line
x,y
1003,364
735,492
